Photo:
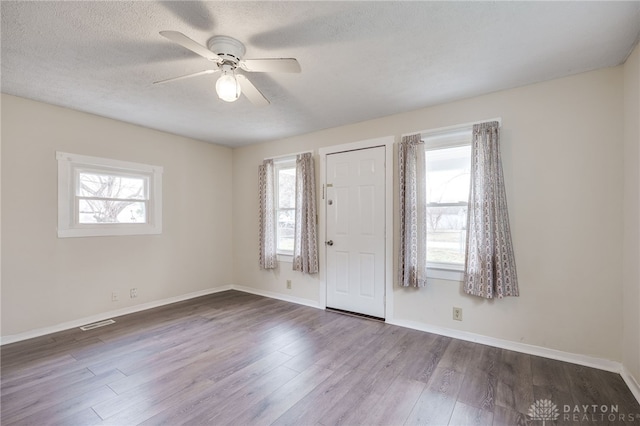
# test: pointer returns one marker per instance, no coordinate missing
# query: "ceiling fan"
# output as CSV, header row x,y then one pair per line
x,y
227,53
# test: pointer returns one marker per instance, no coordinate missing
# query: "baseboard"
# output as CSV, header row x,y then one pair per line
x,y
279,296
5,340
587,361
631,382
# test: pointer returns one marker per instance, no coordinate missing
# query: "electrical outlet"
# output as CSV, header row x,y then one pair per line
x,y
114,296
457,314
133,293
289,284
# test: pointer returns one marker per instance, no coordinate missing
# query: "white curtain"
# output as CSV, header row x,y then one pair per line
x,y
268,257
412,262
490,268
305,251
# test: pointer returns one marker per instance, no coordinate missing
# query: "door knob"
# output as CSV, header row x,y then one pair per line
x,y
329,243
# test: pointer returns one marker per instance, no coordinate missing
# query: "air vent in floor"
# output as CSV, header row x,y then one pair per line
x,y
97,325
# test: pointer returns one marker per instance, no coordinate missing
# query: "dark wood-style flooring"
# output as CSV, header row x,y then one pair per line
x,y
233,358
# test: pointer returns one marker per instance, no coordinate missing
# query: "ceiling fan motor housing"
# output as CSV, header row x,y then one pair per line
x,y
228,48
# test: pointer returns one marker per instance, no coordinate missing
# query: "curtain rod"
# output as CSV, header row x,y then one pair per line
x,y
455,126
277,157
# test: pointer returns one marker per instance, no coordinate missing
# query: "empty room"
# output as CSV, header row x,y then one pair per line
x,y
320,213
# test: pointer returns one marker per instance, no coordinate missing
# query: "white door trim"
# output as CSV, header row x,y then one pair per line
x,y
387,142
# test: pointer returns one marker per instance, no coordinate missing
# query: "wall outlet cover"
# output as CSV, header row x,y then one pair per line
x,y
457,314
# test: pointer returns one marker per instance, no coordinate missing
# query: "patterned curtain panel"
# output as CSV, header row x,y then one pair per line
x,y
412,262
268,258
490,267
305,250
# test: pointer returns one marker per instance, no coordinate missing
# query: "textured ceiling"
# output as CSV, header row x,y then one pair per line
x,y
360,60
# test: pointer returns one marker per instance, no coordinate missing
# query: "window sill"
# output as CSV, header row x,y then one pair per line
x,y
445,274
110,230
287,258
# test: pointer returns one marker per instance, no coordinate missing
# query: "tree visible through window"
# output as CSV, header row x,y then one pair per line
x,y
108,198
285,205
448,180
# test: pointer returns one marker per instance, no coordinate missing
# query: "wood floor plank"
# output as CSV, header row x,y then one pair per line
x,y
318,338
152,393
275,404
383,347
507,417
32,358
44,366
515,382
354,407
584,383
312,408
84,417
219,359
486,359
194,399
80,385
436,404
49,411
19,389
458,355
306,359
241,359
426,364
123,360
140,407
549,373
466,415
478,390
395,405
246,397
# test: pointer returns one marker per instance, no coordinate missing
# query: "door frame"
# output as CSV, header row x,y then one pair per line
x,y
387,142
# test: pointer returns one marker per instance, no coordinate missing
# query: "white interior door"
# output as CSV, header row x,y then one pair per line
x,y
355,231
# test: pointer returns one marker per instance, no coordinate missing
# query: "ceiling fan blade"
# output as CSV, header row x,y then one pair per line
x,y
270,65
251,92
195,74
187,43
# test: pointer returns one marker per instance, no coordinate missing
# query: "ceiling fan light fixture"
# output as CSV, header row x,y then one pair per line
x,y
227,53
227,86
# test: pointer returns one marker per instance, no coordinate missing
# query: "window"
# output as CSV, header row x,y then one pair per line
x,y
102,197
285,204
448,166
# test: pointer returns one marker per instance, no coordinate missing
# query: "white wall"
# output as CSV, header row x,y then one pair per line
x,y
562,146
48,281
631,286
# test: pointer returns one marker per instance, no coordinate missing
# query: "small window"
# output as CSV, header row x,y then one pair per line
x,y
448,158
103,197
285,183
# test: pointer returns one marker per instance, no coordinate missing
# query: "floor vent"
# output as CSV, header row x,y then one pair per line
x,y
97,325
355,314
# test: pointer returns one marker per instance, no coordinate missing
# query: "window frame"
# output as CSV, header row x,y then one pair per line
x,y
288,162
70,166
444,139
